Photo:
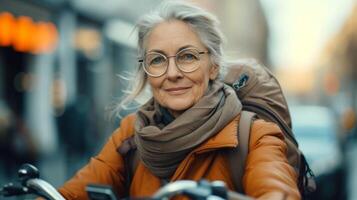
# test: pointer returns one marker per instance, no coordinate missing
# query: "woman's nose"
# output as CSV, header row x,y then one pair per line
x,y
173,72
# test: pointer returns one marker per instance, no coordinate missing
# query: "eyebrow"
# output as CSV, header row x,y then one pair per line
x,y
180,49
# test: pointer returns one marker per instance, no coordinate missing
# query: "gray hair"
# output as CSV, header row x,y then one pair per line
x,y
203,23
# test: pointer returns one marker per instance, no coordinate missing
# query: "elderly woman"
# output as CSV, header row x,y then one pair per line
x,y
181,131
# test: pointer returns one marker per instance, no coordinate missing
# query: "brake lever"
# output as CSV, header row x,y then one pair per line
x,y
11,189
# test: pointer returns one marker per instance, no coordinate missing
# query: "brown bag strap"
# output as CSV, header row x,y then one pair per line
x,y
131,160
134,162
238,155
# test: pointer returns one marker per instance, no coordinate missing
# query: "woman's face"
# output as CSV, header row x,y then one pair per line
x,y
177,90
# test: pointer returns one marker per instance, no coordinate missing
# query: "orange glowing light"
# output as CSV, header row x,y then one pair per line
x,y
7,25
45,38
25,35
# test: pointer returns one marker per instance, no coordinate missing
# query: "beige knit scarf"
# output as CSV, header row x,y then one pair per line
x,y
162,148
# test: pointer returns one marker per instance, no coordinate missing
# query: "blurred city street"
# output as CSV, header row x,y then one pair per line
x,y
64,64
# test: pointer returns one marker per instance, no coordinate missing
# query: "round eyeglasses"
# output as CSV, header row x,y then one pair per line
x,y
187,60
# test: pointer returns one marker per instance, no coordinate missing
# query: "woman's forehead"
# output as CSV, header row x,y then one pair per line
x,y
170,36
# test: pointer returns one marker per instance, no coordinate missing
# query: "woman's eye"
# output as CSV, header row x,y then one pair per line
x,y
157,60
188,57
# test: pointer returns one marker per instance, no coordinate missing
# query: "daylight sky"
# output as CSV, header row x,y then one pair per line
x,y
299,29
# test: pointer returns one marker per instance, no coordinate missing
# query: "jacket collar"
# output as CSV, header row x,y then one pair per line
x,y
226,138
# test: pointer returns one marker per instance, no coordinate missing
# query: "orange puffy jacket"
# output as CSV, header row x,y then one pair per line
x,y
267,174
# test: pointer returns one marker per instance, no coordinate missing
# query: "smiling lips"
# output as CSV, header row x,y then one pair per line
x,y
177,90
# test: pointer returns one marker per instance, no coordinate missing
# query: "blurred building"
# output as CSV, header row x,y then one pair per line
x,y
339,70
339,90
244,24
28,38
58,60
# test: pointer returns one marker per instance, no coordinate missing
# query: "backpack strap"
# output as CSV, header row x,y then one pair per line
x,y
131,160
238,155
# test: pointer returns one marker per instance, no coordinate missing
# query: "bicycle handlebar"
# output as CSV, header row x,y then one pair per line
x,y
175,188
30,183
44,189
215,190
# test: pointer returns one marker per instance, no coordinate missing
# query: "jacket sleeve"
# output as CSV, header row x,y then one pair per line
x,y
268,174
105,168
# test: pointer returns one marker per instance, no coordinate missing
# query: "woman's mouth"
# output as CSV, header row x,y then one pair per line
x,y
177,90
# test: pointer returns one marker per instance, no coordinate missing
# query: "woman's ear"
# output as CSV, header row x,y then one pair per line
x,y
214,71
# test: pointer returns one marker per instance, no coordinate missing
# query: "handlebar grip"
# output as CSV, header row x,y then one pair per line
x,y
44,189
